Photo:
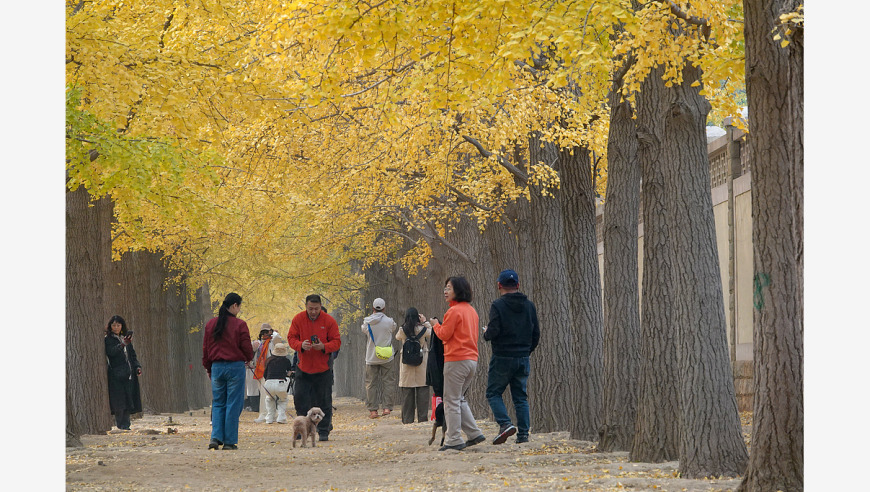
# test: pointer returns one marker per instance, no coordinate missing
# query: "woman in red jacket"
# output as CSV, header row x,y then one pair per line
x,y
226,348
459,334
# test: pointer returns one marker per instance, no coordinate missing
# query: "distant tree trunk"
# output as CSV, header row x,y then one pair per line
x,y
774,86
556,372
523,225
176,304
152,348
199,386
503,242
577,198
87,243
621,296
657,429
126,296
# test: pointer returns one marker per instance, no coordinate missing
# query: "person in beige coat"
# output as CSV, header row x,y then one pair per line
x,y
412,379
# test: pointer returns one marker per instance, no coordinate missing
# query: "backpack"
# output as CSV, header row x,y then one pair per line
x,y
412,351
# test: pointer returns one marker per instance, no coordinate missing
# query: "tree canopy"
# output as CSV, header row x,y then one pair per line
x,y
268,147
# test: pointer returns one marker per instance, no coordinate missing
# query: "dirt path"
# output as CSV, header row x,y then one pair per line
x,y
362,454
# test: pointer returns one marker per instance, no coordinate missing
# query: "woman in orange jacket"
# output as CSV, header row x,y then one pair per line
x,y
459,333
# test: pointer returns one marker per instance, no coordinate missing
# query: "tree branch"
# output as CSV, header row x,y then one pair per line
x,y
691,19
467,199
432,235
448,244
620,74
517,172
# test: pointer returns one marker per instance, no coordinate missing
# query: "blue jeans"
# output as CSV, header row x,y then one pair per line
x,y
513,371
227,397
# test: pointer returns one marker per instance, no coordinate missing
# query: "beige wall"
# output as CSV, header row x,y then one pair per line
x,y
720,215
743,250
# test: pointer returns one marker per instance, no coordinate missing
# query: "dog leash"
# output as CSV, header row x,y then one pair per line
x,y
263,386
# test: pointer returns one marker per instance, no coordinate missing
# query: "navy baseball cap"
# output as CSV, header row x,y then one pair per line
x,y
508,278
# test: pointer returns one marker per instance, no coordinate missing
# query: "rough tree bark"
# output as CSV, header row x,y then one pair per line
x,y
176,322
199,386
711,442
87,242
657,430
577,199
556,373
774,86
153,348
621,309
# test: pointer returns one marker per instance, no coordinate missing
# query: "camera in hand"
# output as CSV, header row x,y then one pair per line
x,y
129,334
314,339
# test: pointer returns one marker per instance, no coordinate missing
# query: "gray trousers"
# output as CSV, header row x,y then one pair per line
x,y
380,386
415,400
457,413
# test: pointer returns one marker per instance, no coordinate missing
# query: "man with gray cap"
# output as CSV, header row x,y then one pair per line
x,y
380,374
514,332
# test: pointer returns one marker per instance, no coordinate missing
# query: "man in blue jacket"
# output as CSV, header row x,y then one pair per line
x,y
514,332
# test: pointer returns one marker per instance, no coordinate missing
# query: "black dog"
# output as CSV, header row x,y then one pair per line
x,y
439,422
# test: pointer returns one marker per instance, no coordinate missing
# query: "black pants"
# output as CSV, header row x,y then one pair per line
x,y
314,390
122,419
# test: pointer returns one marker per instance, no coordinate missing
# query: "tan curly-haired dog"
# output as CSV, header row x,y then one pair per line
x,y
307,426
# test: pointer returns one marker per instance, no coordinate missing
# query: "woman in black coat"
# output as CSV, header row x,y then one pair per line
x,y
124,371
435,366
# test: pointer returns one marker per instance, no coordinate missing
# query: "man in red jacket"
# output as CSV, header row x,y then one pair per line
x,y
314,335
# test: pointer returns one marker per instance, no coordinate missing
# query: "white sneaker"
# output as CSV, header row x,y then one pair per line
x,y
270,421
282,421
260,421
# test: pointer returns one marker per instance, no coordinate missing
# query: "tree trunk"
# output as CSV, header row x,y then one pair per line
x,y
711,442
555,367
621,310
73,433
152,347
199,386
577,198
775,94
87,243
657,429
176,304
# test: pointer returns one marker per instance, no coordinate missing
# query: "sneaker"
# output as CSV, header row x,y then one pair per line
x,y
214,444
324,437
506,431
458,447
230,446
522,439
477,440
270,421
260,421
